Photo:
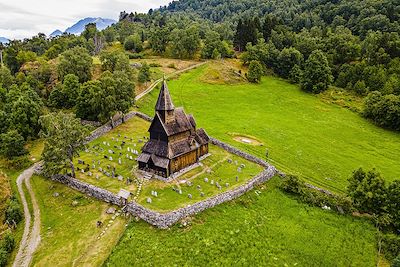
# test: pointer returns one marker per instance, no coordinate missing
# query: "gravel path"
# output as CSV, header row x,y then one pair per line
x,y
31,237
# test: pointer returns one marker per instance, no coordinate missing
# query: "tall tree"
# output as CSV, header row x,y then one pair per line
x,y
65,137
317,75
75,61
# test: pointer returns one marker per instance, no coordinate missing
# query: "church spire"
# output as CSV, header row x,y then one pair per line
x,y
164,101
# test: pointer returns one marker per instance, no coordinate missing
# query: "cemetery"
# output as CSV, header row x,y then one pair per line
x,y
109,162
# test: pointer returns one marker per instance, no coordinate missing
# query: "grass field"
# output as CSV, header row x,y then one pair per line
x,y
269,229
215,168
69,236
304,135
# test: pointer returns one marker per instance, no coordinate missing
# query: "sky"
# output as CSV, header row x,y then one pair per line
x,y
25,18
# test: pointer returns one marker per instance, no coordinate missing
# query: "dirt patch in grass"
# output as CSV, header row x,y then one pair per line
x,y
247,139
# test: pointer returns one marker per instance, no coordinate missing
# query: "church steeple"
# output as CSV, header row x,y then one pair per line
x,y
164,105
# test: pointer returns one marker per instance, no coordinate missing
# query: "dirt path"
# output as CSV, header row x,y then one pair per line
x,y
31,237
155,83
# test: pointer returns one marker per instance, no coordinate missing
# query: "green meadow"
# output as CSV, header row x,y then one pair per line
x,y
321,142
265,227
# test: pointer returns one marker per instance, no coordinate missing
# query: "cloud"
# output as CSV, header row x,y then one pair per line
x,y
24,18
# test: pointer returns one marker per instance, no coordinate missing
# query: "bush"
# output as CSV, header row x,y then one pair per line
x,y
135,55
12,144
171,66
293,185
18,163
3,257
391,246
14,212
8,243
256,70
154,65
396,262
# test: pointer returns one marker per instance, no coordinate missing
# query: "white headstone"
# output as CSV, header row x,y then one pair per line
x,y
110,158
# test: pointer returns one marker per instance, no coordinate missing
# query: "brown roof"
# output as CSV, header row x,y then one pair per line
x,y
180,124
164,101
159,161
157,147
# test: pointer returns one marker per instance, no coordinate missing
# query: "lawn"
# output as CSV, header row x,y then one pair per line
x,y
261,228
69,236
197,184
321,142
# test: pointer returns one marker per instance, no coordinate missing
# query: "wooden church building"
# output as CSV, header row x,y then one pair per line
x,y
174,142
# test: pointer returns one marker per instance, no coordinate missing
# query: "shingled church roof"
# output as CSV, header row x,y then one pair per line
x,y
164,101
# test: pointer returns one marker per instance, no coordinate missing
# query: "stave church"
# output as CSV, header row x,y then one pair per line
x,y
174,142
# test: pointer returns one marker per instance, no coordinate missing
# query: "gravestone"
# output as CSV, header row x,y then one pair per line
x,y
148,200
130,157
120,178
206,180
82,171
229,161
110,158
90,173
198,187
180,191
237,178
119,161
239,169
80,161
129,149
97,177
227,184
202,194
100,169
212,182
190,196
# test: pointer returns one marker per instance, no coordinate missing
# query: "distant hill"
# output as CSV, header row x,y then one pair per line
x,y
79,27
56,33
4,40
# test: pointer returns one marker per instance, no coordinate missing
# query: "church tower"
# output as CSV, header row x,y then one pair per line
x,y
164,106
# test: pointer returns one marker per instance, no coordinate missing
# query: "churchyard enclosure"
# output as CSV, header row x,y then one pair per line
x,y
109,163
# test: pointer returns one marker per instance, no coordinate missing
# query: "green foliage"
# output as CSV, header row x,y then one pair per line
x,y
158,39
25,56
317,74
144,73
391,246
393,208
384,110
6,78
23,108
13,212
99,100
368,191
71,90
293,185
90,31
360,88
246,32
75,61
53,51
64,138
256,70
8,243
186,42
133,43
396,261
12,144
215,48
112,61
3,257
287,59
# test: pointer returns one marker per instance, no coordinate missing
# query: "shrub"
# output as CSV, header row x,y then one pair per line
x,y
12,144
3,257
154,65
171,66
255,71
18,163
14,212
135,55
8,243
391,246
396,261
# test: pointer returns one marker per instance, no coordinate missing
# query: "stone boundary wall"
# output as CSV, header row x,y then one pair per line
x,y
165,220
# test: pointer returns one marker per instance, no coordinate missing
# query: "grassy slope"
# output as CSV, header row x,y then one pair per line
x,y
304,135
269,229
69,233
